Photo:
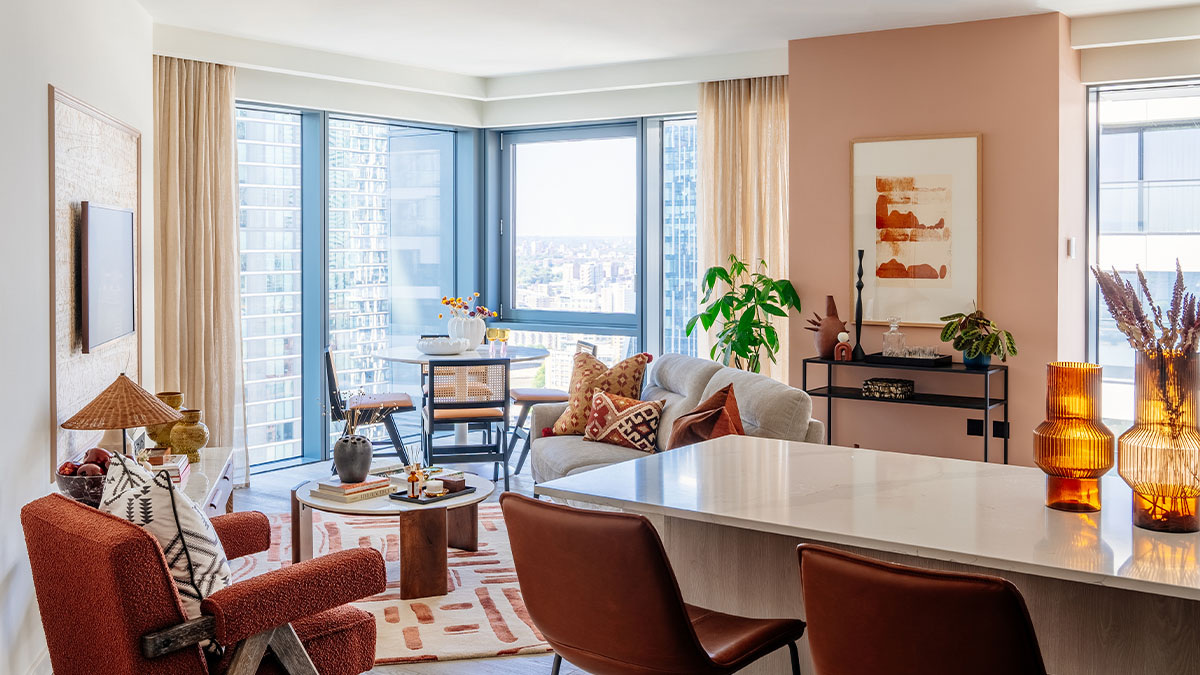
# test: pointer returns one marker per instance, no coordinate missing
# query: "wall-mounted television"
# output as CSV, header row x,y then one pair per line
x,y
107,272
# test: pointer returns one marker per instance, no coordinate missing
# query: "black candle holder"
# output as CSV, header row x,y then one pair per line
x,y
858,354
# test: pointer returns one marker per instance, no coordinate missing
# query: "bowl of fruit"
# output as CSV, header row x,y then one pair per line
x,y
83,480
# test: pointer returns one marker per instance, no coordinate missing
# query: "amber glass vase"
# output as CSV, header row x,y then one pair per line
x,y
1160,454
1073,446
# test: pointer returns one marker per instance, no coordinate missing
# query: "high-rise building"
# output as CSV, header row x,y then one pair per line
x,y
268,147
681,298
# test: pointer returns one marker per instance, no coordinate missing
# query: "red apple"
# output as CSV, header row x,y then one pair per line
x,y
68,469
89,470
98,456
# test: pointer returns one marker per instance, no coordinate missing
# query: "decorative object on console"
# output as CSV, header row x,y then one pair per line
x,y
588,374
916,215
919,357
893,339
716,416
745,312
83,481
123,405
352,457
858,353
842,351
1158,456
888,388
467,320
978,338
623,421
189,435
1073,446
161,433
827,330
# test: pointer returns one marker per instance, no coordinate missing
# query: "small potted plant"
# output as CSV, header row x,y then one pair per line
x,y
978,338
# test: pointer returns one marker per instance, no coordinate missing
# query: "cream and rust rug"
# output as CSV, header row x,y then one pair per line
x,y
481,616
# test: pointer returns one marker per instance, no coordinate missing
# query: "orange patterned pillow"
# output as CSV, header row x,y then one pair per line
x,y
589,374
622,421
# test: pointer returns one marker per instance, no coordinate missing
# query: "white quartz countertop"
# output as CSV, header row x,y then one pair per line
x,y
989,515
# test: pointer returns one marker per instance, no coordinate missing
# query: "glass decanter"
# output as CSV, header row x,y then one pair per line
x,y
893,340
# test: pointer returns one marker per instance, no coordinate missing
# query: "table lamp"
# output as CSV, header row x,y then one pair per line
x,y
123,405
1073,446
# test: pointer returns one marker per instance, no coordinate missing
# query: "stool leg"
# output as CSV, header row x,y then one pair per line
x,y
512,445
795,657
554,667
524,451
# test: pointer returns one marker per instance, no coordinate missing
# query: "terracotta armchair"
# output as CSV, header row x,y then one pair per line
x,y
108,603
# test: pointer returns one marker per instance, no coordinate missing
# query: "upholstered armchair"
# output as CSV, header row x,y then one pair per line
x,y
108,603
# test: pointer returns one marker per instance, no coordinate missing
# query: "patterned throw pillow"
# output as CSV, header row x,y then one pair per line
x,y
718,416
186,536
623,421
589,374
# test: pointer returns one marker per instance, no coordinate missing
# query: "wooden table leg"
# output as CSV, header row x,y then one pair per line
x,y
422,553
462,528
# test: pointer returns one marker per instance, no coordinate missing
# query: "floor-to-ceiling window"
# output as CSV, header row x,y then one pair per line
x,y
269,186
680,256
1146,183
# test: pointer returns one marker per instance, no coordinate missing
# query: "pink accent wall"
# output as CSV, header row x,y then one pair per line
x,y
1015,81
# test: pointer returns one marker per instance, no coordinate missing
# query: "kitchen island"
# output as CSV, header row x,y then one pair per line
x,y
1105,597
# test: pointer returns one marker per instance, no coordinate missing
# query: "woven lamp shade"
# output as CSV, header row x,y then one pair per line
x,y
123,405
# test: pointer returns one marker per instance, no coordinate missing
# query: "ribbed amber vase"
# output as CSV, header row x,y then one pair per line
x,y
1073,446
1160,454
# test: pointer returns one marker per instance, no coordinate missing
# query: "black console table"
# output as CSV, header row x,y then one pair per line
x,y
986,403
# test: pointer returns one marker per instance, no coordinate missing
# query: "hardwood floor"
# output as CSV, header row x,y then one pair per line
x,y
270,493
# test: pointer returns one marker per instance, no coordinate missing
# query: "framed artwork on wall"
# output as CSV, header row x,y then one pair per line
x,y
916,213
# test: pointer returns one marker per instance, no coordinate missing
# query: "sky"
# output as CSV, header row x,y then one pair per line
x,y
576,188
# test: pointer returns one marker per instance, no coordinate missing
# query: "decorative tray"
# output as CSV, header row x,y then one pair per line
x,y
423,499
940,361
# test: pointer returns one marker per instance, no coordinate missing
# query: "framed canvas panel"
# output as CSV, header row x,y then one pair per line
x,y
916,212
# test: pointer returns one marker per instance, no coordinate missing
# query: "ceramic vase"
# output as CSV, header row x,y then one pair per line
x,y
827,329
352,458
189,435
471,328
1159,457
161,433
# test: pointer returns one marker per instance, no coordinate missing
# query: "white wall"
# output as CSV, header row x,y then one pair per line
x,y
99,51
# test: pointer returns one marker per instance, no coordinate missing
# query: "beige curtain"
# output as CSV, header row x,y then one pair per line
x,y
198,333
743,182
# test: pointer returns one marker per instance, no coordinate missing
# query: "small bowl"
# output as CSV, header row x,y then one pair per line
x,y
85,489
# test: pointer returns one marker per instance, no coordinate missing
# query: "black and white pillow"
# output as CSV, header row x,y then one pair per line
x,y
188,540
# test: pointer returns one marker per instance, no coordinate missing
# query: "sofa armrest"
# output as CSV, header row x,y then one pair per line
x,y
816,431
284,595
244,533
543,415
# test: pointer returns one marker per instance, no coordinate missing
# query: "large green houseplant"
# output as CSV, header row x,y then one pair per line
x,y
744,312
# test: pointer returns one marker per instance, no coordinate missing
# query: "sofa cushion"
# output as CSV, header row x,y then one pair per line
x,y
556,456
588,374
716,416
623,421
679,380
769,408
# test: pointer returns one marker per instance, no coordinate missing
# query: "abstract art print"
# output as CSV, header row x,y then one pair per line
x,y
915,206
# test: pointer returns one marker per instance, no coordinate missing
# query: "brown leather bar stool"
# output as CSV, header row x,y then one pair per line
x,y
527,397
868,616
600,589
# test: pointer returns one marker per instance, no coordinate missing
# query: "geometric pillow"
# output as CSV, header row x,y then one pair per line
x,y
589,374
627,422
718,416
186,536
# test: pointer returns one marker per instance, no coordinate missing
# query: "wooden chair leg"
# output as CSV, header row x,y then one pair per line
x,y
397,441
524,452
248,653
554,667
512,445
290,651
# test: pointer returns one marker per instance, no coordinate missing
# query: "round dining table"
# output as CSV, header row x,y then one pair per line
x,y
411,354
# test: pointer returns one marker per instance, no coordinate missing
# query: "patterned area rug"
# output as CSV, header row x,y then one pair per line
x,y
481,616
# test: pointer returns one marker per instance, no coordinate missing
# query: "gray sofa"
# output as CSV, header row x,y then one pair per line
x,y
769,409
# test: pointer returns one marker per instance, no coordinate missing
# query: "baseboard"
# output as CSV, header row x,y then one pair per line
x,y
41,664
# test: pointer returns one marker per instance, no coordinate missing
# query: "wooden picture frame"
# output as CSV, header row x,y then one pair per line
x,y
916,202
96,157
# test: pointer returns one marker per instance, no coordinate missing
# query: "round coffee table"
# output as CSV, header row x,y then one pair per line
x,y
426,530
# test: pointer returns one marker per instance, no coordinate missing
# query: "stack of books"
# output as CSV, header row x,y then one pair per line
x,y
176,466
335,490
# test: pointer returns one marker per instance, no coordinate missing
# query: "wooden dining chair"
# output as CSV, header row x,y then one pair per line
x,y
527,397
376,407
472,392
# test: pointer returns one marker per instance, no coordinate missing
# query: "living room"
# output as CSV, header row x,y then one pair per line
x,y
476,337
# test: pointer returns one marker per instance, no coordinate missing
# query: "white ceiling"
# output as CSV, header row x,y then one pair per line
x,y
506,37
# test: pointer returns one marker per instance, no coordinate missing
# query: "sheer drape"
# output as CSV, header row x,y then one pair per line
x,y
743,182
197,269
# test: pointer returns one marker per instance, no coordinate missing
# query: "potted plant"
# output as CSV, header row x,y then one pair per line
x,y
978,338
744,312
